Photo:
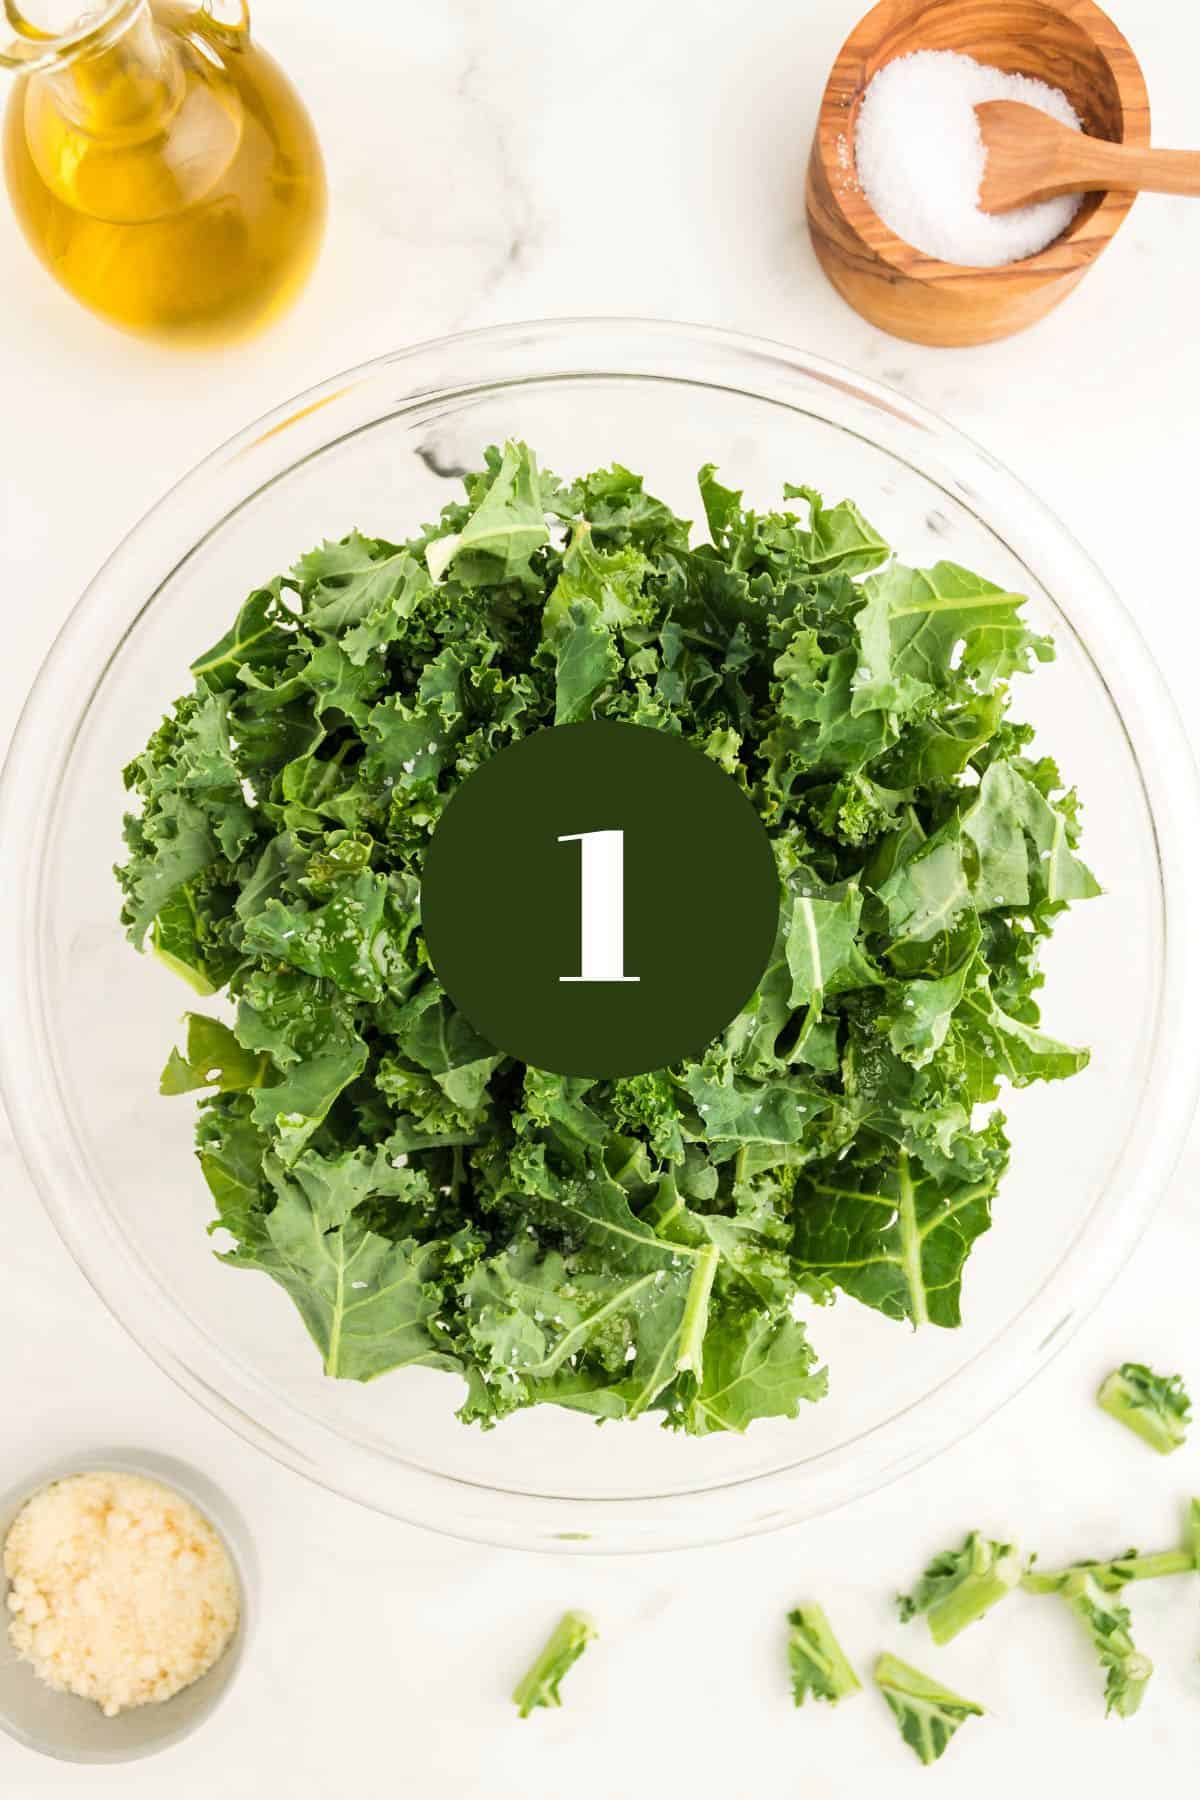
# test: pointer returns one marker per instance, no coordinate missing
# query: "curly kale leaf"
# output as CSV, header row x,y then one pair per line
x,y
899,1238
370,1302
627,1247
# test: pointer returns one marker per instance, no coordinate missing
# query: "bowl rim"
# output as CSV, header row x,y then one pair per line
x,y
834,146
484,361
212,1502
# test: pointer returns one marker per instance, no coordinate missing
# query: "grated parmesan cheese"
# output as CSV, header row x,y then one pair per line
x,y
120,1590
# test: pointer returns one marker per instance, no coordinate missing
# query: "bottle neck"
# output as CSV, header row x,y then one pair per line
x,y
120,83
138,120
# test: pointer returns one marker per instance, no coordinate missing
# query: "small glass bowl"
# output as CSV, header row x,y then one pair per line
x,y
89,1023
75,1730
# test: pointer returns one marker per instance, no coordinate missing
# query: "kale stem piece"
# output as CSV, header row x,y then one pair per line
x,y
1108,1623
960,1586
1156,1407
928,1713
818,1663
1117,1570
565,1645
1114,1574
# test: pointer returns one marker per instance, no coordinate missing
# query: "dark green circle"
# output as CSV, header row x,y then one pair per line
x,y
501,899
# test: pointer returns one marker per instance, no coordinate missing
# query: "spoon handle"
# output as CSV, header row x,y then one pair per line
x,y
1097,164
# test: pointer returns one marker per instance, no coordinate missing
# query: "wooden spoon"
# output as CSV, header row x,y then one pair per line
x,y
1030,156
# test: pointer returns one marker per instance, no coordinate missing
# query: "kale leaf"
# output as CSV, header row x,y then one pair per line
x,y
614,1247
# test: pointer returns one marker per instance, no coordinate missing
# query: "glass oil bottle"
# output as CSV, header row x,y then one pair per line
x,y
162,166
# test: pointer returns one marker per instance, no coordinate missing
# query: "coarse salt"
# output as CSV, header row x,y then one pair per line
x,y
920,158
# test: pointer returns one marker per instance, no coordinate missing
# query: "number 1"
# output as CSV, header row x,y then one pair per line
x,y
602,906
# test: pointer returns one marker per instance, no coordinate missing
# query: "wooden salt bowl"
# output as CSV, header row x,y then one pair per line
x,y
1069,43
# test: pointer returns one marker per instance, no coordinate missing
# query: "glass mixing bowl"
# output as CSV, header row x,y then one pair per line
x,y
90,1023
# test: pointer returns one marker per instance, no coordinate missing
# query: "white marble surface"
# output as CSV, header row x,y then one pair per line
x,y
499,159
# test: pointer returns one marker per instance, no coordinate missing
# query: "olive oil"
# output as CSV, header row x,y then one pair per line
x,y
167,173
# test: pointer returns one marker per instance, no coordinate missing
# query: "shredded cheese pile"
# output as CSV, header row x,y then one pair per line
x,y
119,1589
